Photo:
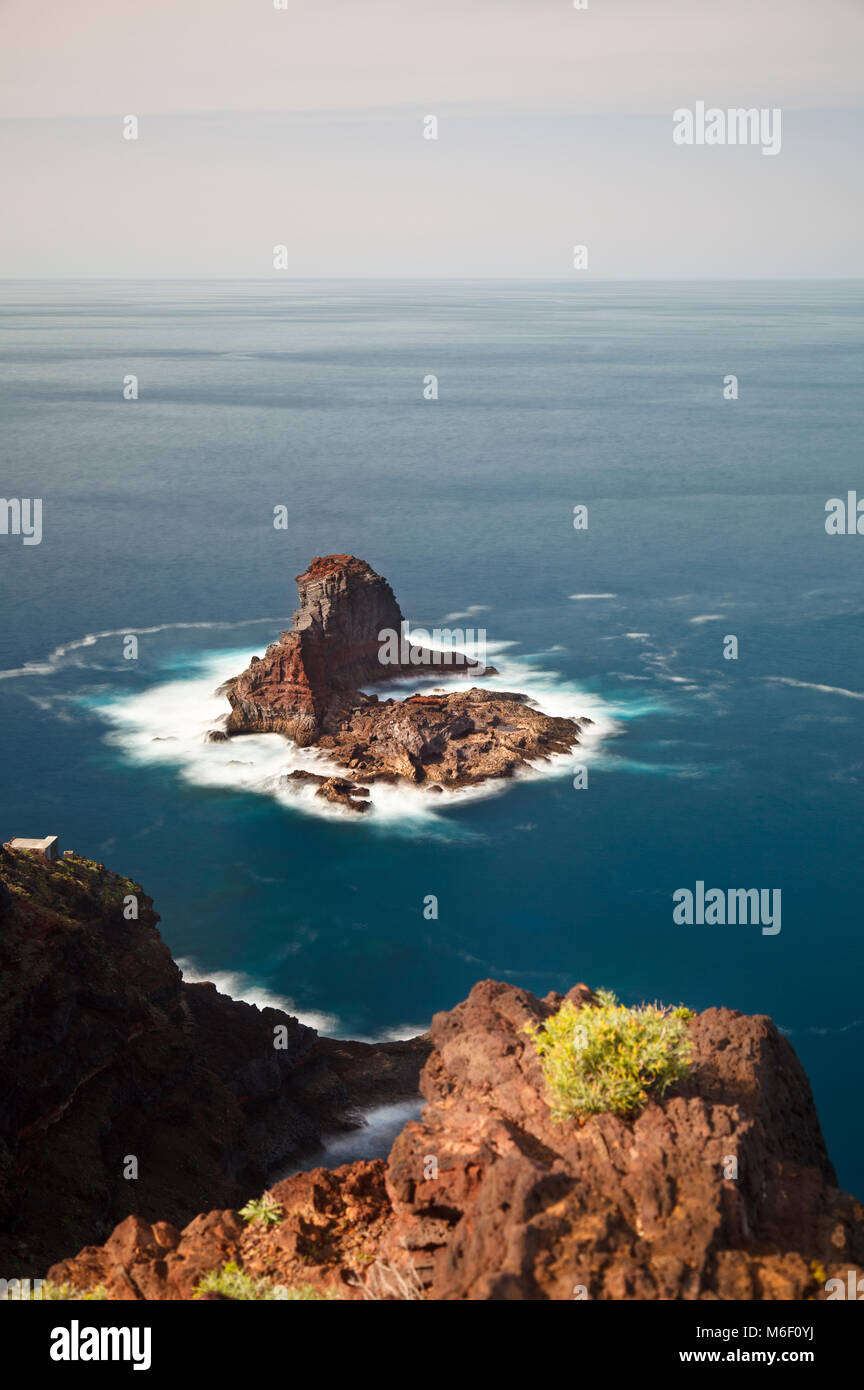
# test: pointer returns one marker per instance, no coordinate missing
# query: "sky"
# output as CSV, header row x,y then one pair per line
x,y
304,127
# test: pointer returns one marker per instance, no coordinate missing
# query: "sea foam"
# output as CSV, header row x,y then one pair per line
x,y
237,985
168,723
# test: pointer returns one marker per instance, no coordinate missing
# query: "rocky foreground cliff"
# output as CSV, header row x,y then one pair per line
x,y
307,686
486,1198
107,1057
721,1189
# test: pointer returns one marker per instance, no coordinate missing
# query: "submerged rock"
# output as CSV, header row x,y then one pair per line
x,y
336,789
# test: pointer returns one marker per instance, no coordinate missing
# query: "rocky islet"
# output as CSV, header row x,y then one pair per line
x,y
308,686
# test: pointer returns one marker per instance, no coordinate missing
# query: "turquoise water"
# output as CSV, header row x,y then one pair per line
x,y
706,518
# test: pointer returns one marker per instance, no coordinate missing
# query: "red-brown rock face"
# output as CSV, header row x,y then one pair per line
x,y
344,605
523,1208
485,1198
332,647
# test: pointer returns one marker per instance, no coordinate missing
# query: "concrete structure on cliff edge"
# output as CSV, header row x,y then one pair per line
x,y
47,847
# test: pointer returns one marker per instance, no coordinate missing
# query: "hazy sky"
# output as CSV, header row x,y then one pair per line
x,y
304,126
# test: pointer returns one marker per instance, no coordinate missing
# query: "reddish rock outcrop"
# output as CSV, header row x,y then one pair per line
x,y
332,1225
106,1054
307,687
447,741
485,1198
331,649
525,1208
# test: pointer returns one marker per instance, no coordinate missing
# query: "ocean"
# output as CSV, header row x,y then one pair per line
x,y
706,521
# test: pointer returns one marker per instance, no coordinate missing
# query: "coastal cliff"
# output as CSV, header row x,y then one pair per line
x,y
722,1189
107,1056
307,687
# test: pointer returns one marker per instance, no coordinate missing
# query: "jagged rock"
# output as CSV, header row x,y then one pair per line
x,y
307,687
336,789
449,741
332,1223
523,1208
216,736
332,648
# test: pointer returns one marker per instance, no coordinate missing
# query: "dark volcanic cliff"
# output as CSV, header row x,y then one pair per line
x,y
106,1054
307,687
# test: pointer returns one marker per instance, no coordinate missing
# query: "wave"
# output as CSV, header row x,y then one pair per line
x,y
470,612
373,1138
812,685
55,660
239,986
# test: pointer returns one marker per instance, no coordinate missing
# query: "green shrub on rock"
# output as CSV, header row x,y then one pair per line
x,y
609,1059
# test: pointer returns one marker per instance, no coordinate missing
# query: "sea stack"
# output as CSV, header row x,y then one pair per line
x,y
308,686
331,648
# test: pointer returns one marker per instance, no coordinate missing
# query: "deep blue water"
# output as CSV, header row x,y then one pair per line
x,y
740,773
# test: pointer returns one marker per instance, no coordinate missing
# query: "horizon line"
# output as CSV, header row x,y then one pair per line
x,y
438,279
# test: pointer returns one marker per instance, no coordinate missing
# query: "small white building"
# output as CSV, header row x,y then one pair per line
x,y
47,847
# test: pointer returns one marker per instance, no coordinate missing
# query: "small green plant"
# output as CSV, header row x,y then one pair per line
x,y
99,1293
607,1058
264,1209
233,1282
